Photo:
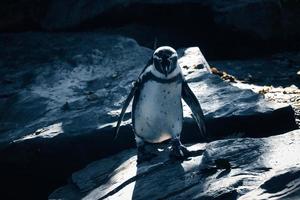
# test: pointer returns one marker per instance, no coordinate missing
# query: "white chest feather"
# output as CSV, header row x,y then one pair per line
x,y
158,111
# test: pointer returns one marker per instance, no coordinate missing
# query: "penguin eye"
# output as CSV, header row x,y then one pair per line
x,y
157,58
172,58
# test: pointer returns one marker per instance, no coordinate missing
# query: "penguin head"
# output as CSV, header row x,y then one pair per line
x,y
165,59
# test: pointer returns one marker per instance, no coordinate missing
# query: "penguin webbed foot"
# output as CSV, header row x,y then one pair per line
x,y
143,155
179,151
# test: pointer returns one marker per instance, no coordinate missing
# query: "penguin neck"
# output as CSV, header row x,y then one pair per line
x,y
151,69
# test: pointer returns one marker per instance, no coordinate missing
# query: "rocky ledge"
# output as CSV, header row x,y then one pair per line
x,y
245,168
61,93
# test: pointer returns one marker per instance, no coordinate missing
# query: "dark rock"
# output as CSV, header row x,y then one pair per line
x,y
21,14
285,177
266,168
223,164
223,29
277,70
258,18
275,77
267,20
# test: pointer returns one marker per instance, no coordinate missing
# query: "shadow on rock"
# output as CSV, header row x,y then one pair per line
x,y
158,181
119,177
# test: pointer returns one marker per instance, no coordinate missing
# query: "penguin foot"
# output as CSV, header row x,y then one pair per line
x,y
144,156
180,152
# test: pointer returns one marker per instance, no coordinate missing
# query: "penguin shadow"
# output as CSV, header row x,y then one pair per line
x,y
160,175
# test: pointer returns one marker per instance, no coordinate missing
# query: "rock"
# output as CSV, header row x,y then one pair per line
x,y
245,15
277,70
262,168
52,83
251,28
62,14
21,15
268,20
273,76
49,106
41,133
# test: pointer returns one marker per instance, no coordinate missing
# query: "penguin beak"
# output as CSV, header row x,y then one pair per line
x,y
166,70
166,74
166,67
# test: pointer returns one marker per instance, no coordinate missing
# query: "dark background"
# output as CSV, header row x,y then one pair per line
x,y
223,29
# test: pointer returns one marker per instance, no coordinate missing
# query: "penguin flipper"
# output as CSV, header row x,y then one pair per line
x,y
125,105
192,101
129,97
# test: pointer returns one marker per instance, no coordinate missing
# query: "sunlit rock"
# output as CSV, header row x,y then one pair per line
x,y
61,96
260,169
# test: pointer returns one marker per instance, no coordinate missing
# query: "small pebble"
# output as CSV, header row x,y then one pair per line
x,y
114,75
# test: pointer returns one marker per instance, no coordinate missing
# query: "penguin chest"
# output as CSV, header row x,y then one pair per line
x,y
157,112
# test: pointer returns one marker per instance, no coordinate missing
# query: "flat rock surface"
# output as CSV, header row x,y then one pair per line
x,y
245,168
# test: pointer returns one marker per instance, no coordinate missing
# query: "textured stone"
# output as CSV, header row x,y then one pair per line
x,y
260,169
267,20
61,95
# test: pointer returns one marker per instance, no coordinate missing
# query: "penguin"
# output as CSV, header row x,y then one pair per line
x,y
157,113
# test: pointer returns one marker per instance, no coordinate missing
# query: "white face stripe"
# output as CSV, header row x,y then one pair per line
x,y
157,74
156,57
165,48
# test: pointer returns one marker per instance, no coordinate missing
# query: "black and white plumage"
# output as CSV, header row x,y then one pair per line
x,y
157,113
